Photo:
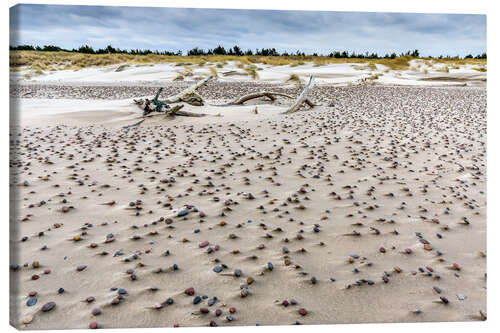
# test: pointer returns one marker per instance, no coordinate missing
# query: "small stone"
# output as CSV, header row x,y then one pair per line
x,y
196,300
218,312
182,212
27,320
93,325
81,268
96,311
189,291
217,269
302,311
250,280
203,244
31,301
48,306
232,309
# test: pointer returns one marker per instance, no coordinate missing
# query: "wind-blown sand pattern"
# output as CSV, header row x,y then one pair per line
x,y
368,208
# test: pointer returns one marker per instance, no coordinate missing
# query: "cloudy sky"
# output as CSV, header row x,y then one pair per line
x,y
309,31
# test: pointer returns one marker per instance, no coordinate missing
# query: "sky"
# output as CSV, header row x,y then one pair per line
x,y
175,29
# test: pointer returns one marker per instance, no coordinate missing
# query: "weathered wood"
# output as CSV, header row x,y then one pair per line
x,y
189,94
229,73
176,111
302,97
135,124
189,114
269,94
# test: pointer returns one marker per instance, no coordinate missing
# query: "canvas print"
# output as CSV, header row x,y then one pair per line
x,y
217,167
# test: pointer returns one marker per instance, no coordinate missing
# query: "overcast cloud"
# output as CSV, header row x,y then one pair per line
x,y
184,28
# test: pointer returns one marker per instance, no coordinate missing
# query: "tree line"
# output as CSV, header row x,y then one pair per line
x,y
235,51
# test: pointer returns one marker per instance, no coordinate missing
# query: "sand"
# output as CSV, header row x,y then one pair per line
x,y
362,205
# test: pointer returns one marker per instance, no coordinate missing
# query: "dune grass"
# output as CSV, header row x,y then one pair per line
x,y
213,71
39,61
294,78
121,68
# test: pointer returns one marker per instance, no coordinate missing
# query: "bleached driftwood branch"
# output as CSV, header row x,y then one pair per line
x,y
269,94
302,97
189,95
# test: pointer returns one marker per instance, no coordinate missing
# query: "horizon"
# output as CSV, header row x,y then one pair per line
x,y
184,29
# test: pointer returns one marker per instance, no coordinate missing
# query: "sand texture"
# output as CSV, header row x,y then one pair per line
x,y
368,208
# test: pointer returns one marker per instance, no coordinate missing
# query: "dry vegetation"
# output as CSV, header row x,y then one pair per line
x,y
39,61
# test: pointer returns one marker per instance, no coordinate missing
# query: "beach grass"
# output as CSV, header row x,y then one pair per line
x,y
40,61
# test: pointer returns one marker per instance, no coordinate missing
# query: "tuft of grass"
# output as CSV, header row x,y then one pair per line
x,y
179,77
479,69
252,71
121,68
374,77
294,78
443,69
213,71
202,63
188,71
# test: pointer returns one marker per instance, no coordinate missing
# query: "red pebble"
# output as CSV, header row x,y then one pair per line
x,y
189,291
93,325
203,244
35,277
232,309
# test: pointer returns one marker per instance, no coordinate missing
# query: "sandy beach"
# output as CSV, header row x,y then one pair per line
x,y
369,207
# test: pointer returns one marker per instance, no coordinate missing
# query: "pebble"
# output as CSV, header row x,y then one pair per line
x,y
96,311
48,306
31,301
302,311
189,291
182,212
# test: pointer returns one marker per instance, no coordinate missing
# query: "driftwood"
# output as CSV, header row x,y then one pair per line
x,y
302,97
269,94
229,73
135,124
189,95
